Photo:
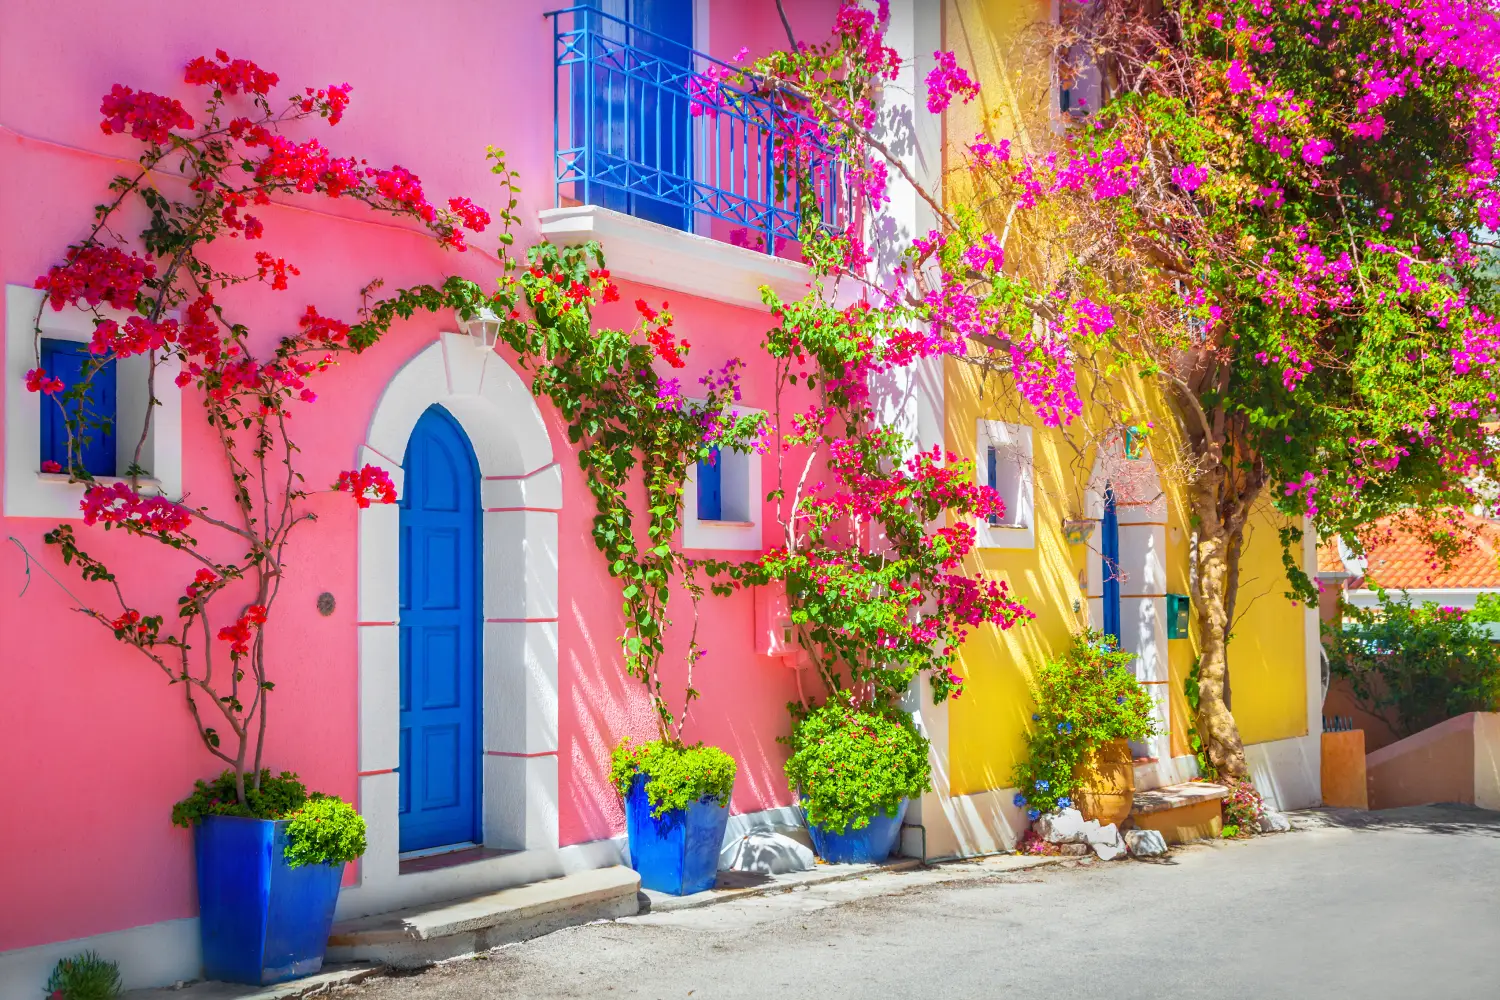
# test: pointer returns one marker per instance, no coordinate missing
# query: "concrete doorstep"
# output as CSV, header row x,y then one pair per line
x,y
422,935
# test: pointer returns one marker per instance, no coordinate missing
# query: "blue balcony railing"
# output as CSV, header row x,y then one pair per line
x,y
643,124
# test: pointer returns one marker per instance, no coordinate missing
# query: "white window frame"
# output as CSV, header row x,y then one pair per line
x,y
1014,447
736,536
29,492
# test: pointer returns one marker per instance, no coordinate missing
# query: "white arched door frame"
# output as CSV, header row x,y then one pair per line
x,y
521,494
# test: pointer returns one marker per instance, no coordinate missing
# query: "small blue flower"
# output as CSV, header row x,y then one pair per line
x,y
1062,727
1064,802
1070,727
1032,814
1119,699
1020,799
1042,786
1035,717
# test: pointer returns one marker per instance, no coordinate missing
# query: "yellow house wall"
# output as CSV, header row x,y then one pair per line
x,y
988,722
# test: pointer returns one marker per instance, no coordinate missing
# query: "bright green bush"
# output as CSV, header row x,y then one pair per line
x,y
84,977
321,829
1416,665
851,762
1083,701
676,775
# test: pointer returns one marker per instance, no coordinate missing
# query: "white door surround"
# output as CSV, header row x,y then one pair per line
x,y
1141,509
521,494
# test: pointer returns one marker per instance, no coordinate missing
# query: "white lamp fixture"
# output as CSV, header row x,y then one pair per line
x,y
483,328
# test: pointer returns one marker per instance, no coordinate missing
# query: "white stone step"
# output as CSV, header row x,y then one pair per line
x,y
421,935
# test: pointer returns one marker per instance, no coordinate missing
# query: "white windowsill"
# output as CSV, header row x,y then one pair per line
x,y
146,485
658,255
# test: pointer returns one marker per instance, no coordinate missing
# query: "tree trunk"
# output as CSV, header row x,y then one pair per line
x,y
1218,556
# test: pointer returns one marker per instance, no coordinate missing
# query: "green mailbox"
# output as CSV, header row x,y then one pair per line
x,y
1177,616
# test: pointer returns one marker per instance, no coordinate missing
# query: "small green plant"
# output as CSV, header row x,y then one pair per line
x,y
1230,831
322,829
1083,701
326,831
84,977
1414,665
1190,688
676,775
851,762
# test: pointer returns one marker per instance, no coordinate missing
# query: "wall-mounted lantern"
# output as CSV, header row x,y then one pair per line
x,y
483,328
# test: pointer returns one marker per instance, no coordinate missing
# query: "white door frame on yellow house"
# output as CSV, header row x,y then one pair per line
x,y
1141,573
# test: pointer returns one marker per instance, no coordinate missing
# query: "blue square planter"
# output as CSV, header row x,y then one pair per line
x,y
678,851
871,845
260,921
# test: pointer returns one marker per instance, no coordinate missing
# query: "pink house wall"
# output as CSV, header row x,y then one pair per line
x,y
95,746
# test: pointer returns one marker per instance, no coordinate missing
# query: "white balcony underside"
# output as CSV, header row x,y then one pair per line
x,y
657,255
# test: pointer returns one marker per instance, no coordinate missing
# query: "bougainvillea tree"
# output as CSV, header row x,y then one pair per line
x,y
200,181
1275,218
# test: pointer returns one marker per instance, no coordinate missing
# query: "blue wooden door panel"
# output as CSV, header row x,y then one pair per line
x,y
1109,545
440,629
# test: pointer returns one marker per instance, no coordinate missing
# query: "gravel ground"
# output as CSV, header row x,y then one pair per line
x,y
1404,903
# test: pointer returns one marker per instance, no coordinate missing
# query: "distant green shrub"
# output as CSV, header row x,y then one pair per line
x,y
1416,665
84,977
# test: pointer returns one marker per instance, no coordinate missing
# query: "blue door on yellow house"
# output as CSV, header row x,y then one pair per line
x,y
1109,554
440,638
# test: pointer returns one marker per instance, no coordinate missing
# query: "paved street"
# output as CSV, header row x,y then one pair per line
x,y
1398,904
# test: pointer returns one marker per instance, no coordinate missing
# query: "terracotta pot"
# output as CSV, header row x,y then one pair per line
x,y
1104,786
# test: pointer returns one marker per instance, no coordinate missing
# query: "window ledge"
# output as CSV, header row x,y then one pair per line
x,y
727,524
146,485
658,255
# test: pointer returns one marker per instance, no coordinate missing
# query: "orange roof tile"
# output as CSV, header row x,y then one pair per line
x,y
1401,556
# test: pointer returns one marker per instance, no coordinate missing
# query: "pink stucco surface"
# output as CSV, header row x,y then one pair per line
x,y
95,745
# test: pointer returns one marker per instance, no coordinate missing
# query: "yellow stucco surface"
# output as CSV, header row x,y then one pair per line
x,y
998,42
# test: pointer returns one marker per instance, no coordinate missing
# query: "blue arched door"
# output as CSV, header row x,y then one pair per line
x,y
440,637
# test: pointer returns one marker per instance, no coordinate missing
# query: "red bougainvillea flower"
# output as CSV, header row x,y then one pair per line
x,y
96,274
370,484
474,217
276,267
139,336
231,75
51,466
321,329
205,579
147,116
38,381
329,103
118,504
242,632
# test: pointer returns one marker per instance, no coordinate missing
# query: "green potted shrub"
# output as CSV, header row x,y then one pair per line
x,y
854,767
1089,705
676,808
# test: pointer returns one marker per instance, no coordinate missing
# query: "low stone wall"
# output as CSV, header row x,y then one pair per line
x,y
1453,761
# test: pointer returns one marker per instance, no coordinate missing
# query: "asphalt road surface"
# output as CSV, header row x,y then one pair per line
x,y
1404,903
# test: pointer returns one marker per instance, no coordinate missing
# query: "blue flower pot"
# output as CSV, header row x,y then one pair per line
x,y
261,922
870,845
678,851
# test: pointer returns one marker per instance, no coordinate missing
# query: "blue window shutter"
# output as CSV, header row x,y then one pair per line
x,y
66,359
710,497
992,476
